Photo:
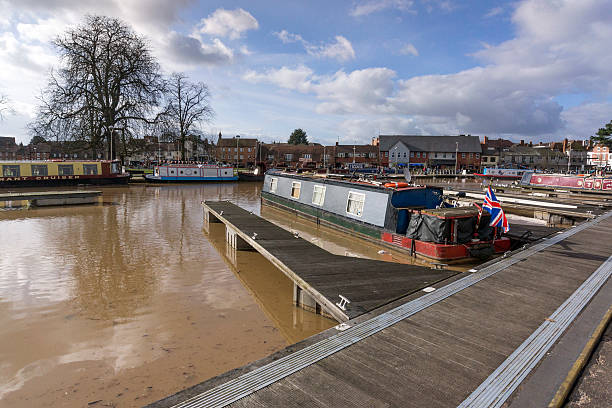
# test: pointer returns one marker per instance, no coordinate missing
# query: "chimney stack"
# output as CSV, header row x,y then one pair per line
x,y
522,142
564,145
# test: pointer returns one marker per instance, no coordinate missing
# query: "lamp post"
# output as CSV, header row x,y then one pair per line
x,y
456,156
237,154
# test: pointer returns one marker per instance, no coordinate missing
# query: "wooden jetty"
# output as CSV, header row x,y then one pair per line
x,y
506,335
322,280
51,198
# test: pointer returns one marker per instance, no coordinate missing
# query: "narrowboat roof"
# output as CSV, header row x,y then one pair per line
x,y
347,183
455,212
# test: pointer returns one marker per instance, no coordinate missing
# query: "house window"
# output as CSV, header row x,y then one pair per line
x,y
288,157
484,159
340,154
471,155
39,170
386,154
478,155
411,154
273,184
249,149
318,195
295,189
393,155
355,203
90,169
241,149
424,155
463,155
10,171
270,157
372,155
65,170
405,154
307,156
418,154
241,156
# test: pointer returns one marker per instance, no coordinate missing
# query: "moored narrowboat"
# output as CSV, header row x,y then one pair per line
x,y
33,173
502,174
568,181
411,218
190,172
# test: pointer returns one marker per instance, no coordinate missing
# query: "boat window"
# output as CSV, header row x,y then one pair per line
x,y
295,189
65,170
115,167
10,171
273,184
90,169
318,195
355,203
39,170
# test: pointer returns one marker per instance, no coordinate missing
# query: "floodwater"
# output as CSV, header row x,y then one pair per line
x,y
127,301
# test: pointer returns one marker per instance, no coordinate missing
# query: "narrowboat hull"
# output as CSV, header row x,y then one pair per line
x,y
158,179
34,173
56,181
501,174
191,173
573,182
447,253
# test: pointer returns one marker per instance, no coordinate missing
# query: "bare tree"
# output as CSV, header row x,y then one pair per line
x,y
5,106
187,106
108,80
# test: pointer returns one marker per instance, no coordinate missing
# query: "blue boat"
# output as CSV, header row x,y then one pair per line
x,y
182,173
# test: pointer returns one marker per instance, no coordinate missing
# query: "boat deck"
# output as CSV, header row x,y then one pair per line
x,y
484,340
367,283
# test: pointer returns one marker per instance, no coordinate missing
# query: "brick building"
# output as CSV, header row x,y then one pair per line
x,y
8,148
438,152
237,150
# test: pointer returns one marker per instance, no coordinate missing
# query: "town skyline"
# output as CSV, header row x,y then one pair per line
x,y
526,70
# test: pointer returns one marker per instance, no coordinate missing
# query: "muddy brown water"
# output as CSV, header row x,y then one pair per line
x,y
127,301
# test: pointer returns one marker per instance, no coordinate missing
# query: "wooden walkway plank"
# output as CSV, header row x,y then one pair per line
x,y
367,283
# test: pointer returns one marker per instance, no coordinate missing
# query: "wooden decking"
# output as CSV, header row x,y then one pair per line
x,y
367,283
439,355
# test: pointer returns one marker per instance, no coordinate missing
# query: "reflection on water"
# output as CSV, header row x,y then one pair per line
x,y
270,288
130,300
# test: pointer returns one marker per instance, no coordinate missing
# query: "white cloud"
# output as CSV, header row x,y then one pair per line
x,y
287,37
374,6
342,49
181,51
43,30
495,11
557,51
359,91
584,120
409,49
299,79
228,23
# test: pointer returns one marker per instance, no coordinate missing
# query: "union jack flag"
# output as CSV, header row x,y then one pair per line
x,y
492,205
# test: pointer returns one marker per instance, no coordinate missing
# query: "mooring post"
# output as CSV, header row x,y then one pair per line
x,y
234,240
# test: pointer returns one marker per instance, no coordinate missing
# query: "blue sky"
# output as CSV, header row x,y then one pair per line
x,y
530,69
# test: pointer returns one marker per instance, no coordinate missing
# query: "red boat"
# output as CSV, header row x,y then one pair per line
x,y
449,234
570,181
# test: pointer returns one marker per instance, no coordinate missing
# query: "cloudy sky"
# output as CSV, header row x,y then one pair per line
x,y
349,70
